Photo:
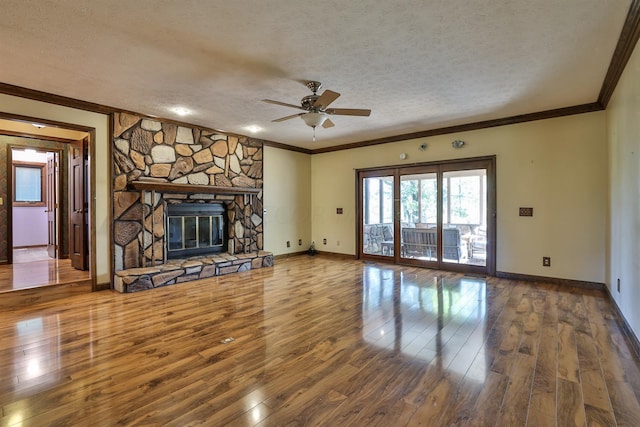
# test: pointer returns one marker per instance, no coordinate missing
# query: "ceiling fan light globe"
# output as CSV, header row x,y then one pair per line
x,y
313,119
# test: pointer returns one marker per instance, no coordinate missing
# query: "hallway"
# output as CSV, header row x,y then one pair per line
x,y
33,268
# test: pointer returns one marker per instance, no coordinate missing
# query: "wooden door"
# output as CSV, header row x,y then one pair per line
x,y
77,205
52,204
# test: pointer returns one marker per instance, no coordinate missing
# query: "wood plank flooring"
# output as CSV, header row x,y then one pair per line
x,y
321,341
29,272
30,254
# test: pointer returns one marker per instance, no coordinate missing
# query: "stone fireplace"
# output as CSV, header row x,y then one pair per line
x,y
187,203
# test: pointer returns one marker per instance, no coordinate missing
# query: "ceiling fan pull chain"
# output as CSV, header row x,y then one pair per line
x,y
314,134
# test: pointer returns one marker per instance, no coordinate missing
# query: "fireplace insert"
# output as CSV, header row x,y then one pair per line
x,y
195,229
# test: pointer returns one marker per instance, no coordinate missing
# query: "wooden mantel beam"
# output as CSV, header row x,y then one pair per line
x,y
168,187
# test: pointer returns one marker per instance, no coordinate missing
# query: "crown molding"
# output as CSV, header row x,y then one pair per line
x,y
626,44
64,101
50,98
286,147
541,115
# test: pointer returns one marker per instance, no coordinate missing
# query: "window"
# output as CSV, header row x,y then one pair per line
x,y
379,200
28,184
464,195
418,198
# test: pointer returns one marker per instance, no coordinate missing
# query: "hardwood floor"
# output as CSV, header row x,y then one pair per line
x,y
34,253
321,341
29,272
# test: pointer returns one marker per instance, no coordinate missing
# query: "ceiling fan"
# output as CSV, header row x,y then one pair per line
x,y
315,108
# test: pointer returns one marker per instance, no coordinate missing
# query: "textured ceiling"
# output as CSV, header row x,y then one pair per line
x,y
418,65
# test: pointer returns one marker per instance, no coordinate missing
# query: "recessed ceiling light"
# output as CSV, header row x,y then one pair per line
x,y
181,111
38,125
253,128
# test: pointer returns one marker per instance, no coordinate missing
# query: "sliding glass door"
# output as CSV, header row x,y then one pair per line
x,y
438,215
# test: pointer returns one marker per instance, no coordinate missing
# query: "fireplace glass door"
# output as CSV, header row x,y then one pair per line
x,y
204,231
194,231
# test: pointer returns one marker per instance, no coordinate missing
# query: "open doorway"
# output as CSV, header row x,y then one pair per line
x,y
40,248
36,207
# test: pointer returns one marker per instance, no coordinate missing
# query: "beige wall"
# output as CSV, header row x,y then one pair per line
x,y
623,130
287,200
27,107
556,166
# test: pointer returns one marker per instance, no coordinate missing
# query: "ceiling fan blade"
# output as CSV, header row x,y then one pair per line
x,y
348,111
328,124
282,119
284,104
327,97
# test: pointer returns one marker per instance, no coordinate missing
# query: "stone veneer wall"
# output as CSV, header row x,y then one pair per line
x,y
156,151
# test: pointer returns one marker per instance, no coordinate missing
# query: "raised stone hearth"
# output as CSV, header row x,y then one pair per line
x,y
185,270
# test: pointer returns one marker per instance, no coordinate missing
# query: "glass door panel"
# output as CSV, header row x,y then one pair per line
x,y
464,223
419,216
377,216
435,215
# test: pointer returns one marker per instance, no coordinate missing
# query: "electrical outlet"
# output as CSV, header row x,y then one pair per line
x,y
324,241
546,261
288,244
338,242
618,285
299,242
